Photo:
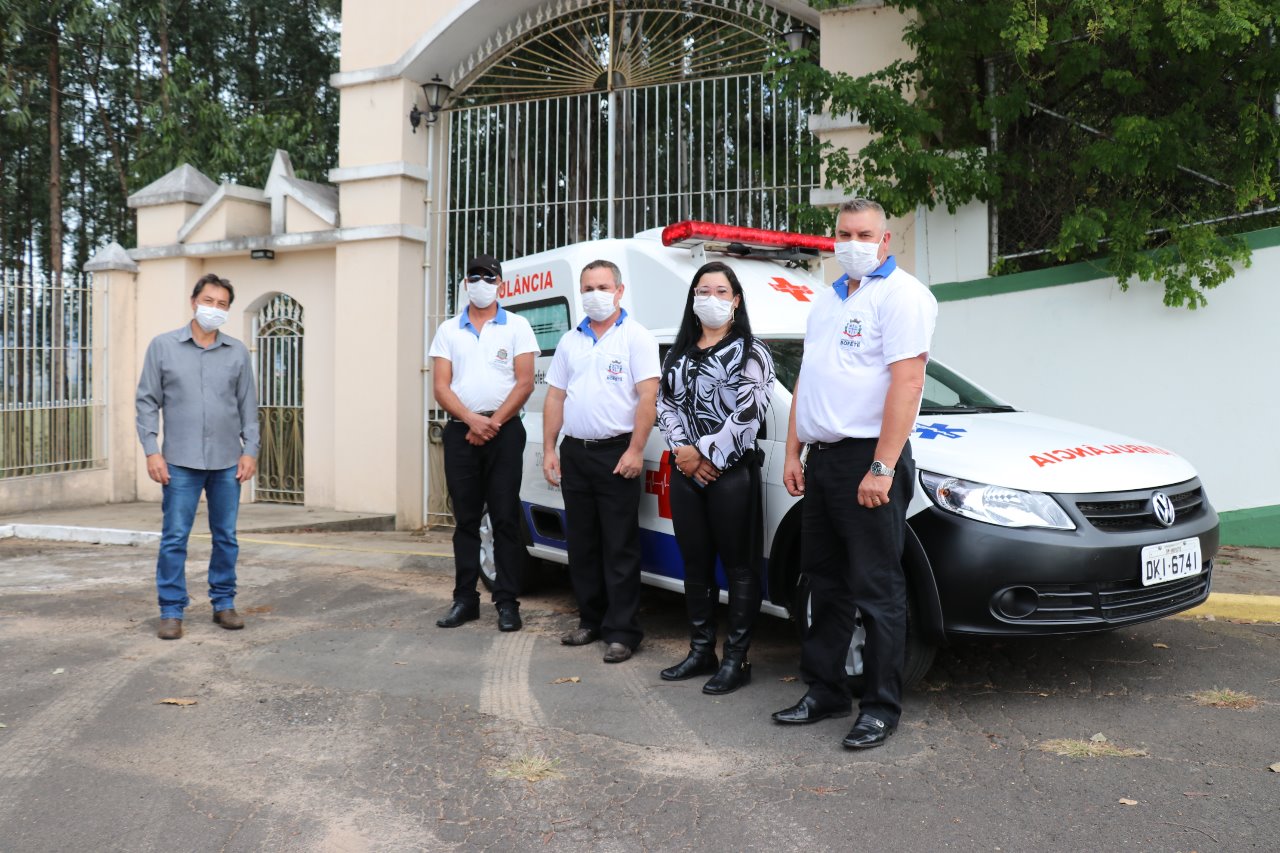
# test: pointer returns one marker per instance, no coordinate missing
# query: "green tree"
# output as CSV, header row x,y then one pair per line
x,y
100,97
1145,133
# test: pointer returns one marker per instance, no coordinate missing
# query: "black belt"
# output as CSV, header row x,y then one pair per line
x,y
461,421
614,441
832,445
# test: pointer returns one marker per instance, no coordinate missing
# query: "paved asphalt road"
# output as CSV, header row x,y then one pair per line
x,y
341,719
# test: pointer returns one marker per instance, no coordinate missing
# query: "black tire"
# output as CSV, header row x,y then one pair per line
x,y
919,656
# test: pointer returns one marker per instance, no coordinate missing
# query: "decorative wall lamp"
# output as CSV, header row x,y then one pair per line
x,y
436,90
798,38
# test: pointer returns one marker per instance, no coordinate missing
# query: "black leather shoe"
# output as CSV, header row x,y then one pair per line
x,y
617,653
579,637
459,614
694,664
867,732
810,710
509,616
731,675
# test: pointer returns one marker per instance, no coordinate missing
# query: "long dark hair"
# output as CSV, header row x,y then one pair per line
x,y
691,326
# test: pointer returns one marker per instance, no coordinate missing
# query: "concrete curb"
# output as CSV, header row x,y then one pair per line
x,y
110,536
87,535
1226,605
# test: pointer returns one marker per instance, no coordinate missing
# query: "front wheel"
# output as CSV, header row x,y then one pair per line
x,y
919,652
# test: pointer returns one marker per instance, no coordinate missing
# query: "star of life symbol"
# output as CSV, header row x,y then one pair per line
x,y
932,431
799,291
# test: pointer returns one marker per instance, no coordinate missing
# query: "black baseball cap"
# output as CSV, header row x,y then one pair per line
x,y
484,264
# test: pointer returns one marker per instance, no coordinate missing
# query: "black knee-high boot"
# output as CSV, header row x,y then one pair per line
x,y
700,600
735,669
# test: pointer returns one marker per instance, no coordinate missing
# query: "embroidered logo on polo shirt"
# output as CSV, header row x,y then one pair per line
x,y
615,371
852,336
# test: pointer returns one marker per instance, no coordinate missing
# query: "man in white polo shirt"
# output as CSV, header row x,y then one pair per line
x,y
855,404
602,390
483,365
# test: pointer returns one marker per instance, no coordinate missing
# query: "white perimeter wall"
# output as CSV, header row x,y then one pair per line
x,y
1203,383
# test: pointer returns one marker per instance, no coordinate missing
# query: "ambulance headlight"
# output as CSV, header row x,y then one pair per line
x,y
995,504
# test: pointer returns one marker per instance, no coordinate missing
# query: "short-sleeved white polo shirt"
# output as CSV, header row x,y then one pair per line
x,y
484,361
849,343
599,376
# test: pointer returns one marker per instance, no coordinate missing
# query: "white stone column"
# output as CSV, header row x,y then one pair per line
x,y
115,278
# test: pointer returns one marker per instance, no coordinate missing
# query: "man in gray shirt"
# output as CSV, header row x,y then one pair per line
x,y
203,382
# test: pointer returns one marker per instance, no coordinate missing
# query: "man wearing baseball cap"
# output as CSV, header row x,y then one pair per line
x,y
483,373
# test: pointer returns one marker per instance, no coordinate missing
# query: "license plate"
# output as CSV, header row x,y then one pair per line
x,y
1170,561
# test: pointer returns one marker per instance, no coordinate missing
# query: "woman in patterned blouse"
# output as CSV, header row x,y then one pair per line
x,y
712,398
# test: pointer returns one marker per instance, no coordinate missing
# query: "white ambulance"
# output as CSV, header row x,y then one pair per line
x,y
1020,525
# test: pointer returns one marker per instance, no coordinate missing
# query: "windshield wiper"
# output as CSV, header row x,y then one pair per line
x,y
963,410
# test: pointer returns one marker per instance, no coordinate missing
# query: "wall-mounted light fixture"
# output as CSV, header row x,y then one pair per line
x,y
435,90
262,255
798,38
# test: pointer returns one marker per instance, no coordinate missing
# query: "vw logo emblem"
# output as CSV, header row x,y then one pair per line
x,y
1163,509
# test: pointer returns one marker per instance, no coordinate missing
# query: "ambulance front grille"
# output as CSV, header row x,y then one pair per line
x,y
1118,601
1132,511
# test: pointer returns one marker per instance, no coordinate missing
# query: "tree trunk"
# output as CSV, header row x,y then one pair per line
x,y
58,338
55,152
104,119
164,59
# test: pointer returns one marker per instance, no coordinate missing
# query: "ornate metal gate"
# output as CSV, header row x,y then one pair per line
x,y
277,338
603,118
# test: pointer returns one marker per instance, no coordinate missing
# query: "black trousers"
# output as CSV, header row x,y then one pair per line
x,y
478,477
720,519
603,524
853,558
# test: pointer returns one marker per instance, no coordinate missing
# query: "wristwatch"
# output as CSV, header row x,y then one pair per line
x,y
880,469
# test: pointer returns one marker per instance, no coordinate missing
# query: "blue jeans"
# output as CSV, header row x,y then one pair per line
x,y
181,497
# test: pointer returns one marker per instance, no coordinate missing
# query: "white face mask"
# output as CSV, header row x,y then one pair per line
x,y
210,318
857,258
481,293
598,304
713,311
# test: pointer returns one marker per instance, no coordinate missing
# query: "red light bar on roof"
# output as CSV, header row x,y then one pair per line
x,y
692,233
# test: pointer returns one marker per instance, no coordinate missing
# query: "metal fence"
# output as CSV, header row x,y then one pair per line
x,y
52,375
530,176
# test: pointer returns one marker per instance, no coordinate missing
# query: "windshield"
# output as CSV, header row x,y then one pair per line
x,y
945,392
